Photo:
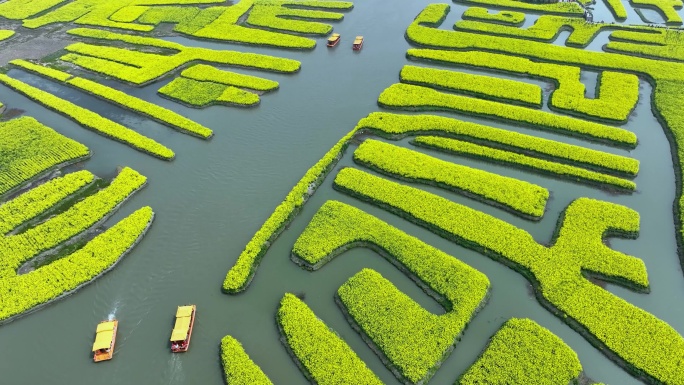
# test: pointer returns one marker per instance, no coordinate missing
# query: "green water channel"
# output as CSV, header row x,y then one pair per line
x,y
213,197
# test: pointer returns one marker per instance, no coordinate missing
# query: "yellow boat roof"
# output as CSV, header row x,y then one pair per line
x,y
180,329
184,311
104,336
105,326
359,38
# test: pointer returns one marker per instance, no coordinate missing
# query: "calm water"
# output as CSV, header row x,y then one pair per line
x,y
217,193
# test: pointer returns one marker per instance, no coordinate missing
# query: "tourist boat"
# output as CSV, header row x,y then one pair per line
x,y
333,40
105,339
182,330
358,43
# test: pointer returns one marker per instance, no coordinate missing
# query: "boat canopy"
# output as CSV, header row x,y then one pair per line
x,y
182,326
104,336
184,311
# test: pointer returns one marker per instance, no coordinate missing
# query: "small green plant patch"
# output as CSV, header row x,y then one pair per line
x,y
202,94
406,96
207,73
561,8
29,149
502,17
238,368
322,355
659,44
176,15
475,85
524,352
22,9
89,119
517,196
525,162
413,341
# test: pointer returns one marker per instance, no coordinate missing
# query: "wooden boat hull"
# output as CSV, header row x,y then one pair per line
x,y
97,356
184,348
334,43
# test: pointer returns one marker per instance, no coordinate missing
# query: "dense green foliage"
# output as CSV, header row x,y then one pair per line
x,y
240,275
524,352
40,199
21,9
660,44
96,13
238,368
395,125
413,340
523,161
643,343
477,85
22,293
321,353
273,15
562,8
513,194
19,248
140,68
29,149
414,97
120,98
503,17
90,119
617,93
617,9
178,15
207,73
667,8
201,94
128,14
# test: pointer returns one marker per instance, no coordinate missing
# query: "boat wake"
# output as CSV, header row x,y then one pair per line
x,y
174,372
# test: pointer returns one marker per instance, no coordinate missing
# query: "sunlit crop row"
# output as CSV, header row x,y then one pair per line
x,y
240,275
642,343
523,161
504,17
206,73
395,125
269,14
483,86
617,93
90,119
413,340
19,248
513,194
123,99
171,14
563,8
21,293
663,43
667,8
522,352
140,68
238,368
321,353
29,149
205,93
406,96
40,199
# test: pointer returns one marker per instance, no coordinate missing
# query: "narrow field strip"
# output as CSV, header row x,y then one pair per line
x,y
90,119
397,125
151,110
405,96
521,352
29,149
520,197
322,355
40,199
238,368
19,248
524,162
411,341
475,85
